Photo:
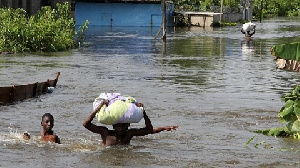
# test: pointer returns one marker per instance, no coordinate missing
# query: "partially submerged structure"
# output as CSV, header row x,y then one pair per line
x,y
122,12
216,14
287,56
202,19
11,94
135,12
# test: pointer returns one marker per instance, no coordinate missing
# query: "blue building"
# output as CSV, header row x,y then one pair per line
x,y
122,13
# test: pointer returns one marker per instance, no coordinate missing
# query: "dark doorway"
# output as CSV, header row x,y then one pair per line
x,y
20,5
28,7
3,3
46,3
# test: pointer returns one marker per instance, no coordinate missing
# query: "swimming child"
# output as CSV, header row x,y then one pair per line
x,y
121,135
47,134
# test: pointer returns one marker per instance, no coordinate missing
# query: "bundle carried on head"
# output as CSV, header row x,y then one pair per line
x,y
120,109
249,26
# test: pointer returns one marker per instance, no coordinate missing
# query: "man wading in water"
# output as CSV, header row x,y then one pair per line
x,y
121,135
248,33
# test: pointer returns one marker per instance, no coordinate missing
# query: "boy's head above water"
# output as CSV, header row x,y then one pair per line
x,y
47,133
47,122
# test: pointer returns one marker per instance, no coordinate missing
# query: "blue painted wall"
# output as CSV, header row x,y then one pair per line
x,y
121,14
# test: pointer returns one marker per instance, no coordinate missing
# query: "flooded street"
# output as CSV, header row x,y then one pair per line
x,y
217,86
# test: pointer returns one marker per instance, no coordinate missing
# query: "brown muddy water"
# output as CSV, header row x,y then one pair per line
x,y
214,84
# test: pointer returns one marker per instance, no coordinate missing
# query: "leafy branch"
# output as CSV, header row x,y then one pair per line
x,y
290,114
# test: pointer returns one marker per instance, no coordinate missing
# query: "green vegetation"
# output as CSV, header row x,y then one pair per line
x,y
81,33
258,144
270,7
217,24
290,114
204,5
49,30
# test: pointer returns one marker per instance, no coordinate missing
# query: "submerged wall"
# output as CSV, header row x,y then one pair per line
x,y
121,14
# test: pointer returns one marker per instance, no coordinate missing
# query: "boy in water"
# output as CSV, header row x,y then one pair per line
x,y
121,135
46,134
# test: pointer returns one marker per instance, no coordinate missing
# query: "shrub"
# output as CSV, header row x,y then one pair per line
x,y
49,30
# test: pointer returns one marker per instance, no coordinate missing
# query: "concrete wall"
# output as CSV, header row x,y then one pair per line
x,y
235,14
35,6
229,14
229,17
31,6
247,9
202,21
121,14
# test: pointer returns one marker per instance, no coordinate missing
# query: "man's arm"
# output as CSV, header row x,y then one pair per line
x,y
165,128
242,30
142,131
148,123
92,127
57,140
252,33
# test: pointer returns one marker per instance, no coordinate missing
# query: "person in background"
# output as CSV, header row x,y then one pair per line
x,y
248,33
121,135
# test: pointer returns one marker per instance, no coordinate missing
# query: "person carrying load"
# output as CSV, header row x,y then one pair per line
x,y
247,28
119,111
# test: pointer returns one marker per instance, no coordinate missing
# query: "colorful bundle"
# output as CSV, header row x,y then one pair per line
x,y
120,109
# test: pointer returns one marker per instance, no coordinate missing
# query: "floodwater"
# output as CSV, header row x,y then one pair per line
x,y
212,83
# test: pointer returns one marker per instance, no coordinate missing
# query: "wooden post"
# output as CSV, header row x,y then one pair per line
x,y
164,50
221,11
261,9
164,20
163,25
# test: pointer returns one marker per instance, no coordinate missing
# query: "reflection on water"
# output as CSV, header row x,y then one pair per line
x,y
212,82
127,156
248,47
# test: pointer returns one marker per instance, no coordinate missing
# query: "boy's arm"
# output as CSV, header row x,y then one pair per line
x,y
26,136
57,140
92,127
165,128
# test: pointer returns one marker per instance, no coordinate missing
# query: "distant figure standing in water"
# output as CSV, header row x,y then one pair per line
x,y
121,135
248,33
247,28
